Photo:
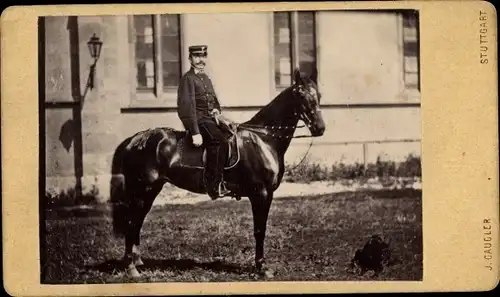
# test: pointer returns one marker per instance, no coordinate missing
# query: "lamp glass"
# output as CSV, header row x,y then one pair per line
x,y
95,46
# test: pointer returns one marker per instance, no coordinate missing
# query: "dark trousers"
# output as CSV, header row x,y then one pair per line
x,y
215,140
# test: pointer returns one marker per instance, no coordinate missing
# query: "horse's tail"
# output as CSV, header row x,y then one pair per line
x,y
118,197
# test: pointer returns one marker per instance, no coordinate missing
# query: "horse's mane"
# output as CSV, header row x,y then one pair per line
x,y
267,112
271,110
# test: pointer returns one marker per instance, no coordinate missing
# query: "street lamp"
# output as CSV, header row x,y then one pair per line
x,y
95,46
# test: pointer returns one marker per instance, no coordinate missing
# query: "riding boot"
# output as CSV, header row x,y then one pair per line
x,y
216,159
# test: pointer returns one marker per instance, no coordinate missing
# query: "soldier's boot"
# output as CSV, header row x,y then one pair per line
x,y
216,158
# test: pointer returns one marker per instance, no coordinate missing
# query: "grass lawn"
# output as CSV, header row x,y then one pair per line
x,y
308,239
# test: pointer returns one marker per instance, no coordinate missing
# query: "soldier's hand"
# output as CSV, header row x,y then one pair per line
x,y
197,140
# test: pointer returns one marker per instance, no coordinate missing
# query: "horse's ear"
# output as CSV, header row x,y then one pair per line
x,y
297,77
314,75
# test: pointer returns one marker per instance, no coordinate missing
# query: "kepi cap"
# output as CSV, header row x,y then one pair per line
x,y
198,49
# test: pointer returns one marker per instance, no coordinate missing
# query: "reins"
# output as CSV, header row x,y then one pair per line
x,y
279,136
273,128
276,127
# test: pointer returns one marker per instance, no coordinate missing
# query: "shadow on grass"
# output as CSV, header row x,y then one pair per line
x,y
395,194
87,211
103,210
359,195
171,264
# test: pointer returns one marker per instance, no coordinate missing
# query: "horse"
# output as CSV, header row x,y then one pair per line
x,y
144,162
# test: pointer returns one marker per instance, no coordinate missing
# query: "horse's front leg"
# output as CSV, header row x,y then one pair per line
x,y
260,208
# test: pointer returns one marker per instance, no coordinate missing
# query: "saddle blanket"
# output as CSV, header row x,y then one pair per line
x,y
195,157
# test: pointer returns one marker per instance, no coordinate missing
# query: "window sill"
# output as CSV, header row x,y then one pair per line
x,y
407,98
150,102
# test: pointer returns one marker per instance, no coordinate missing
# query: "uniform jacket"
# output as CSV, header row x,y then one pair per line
x,y
195,99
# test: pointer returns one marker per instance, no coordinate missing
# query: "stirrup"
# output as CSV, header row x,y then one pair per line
x,y
221,191
222,187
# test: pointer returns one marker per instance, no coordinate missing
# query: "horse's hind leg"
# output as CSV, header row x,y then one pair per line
x,y
128,258
149,197
143,198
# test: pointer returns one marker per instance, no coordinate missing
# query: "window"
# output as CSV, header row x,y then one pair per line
x,y
156,46
294,45
411,50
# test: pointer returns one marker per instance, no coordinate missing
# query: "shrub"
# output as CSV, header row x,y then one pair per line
x,y
411,167
312,171
306,171
54,199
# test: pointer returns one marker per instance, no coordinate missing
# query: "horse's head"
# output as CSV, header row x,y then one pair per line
x,y
307,96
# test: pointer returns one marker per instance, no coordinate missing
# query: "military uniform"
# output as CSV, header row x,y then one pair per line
x,y
196,100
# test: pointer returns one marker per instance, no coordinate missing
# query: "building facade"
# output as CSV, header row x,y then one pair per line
x,y
367,65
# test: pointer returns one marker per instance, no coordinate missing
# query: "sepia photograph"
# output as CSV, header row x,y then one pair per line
x,y
230,147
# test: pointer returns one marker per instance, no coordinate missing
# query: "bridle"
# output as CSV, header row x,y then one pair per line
x,y
303,116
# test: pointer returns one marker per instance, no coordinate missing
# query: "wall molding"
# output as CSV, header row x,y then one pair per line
x,y
139,109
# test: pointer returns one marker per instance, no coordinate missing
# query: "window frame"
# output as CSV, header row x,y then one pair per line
x,y
160,96
293,27
410,87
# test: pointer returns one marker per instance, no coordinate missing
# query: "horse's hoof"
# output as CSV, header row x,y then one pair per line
x,y
262,272
268,273
133,272
138,262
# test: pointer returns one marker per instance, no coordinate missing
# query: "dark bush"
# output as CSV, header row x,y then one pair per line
x,y
70,198
311,171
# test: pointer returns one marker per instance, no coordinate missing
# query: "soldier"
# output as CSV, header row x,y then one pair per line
x,y
197,105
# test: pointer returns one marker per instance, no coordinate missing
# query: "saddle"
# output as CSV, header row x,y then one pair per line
x,y
196,157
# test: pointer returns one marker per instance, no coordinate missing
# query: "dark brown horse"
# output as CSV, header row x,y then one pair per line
x,y
144,162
